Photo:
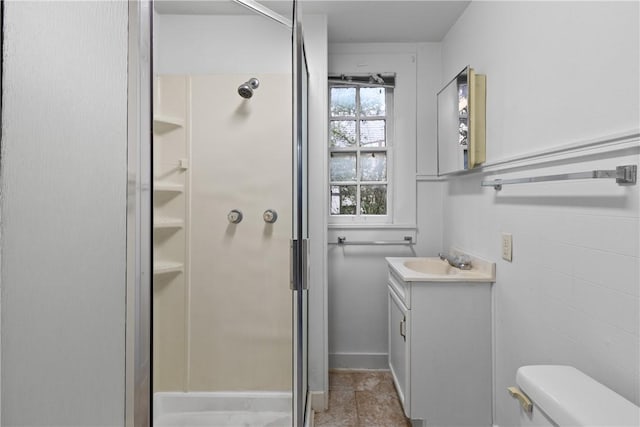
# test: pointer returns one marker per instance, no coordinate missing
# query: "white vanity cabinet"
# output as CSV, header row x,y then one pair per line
x,y
440,350
399,347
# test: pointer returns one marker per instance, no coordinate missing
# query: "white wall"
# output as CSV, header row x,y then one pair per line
x,y
557,73
202,44
64,189
315,37
358,274
428,187
429,77
400,59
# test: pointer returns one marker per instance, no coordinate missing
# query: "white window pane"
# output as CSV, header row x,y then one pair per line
x,y
343,199
373,200
343,101
342,133
373,166
372,101
342,166
359,174
372,133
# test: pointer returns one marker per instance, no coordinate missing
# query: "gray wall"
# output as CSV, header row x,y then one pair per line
x,y
63,213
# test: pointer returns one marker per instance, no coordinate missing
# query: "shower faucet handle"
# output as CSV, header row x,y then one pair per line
x,y
270,216
234,216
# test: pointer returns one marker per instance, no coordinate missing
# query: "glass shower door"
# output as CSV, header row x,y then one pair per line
x,y
230,215
300,241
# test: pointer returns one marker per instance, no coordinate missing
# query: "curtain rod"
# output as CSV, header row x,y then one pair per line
x,y
370,80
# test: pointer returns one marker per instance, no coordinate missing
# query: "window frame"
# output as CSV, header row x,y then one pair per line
x,y
389,119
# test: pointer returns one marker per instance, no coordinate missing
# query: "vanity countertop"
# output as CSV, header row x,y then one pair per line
x,y
433,269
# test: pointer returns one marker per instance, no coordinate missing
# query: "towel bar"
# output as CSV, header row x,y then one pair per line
x,y
407,241
622,174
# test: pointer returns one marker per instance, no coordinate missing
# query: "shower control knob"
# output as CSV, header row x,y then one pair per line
x,y
270,216
234,217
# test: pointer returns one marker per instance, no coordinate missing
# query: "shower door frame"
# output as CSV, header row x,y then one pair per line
x,y
300,233
139,275
138,329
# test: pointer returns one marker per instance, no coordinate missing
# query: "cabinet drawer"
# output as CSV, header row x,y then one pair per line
x,y
401,288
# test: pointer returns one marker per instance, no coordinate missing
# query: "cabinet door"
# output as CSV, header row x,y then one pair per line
x,y
399,345
461,122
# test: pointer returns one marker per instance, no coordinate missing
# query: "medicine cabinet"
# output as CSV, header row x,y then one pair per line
x,y
461,122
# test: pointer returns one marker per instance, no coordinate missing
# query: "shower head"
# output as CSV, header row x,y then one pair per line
x,y
245,90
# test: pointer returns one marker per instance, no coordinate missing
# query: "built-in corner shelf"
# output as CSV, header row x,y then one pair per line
x,y
164,267
163,124
159,223
167,187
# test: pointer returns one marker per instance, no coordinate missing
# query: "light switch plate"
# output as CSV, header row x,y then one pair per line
x,y
507,248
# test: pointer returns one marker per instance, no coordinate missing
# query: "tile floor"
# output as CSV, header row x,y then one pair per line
x,y
362,399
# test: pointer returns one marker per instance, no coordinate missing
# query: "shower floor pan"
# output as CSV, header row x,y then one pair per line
x,y
222,409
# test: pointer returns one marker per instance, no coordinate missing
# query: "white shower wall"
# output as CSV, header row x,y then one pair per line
x,y
224,323
572,293
222,44
240,300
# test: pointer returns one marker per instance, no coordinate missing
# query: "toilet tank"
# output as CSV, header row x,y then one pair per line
x,y
564,396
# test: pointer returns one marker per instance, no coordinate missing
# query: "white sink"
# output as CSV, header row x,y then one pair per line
x,y
433,269
430,266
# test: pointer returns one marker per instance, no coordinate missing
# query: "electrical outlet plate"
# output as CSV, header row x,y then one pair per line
x,y
507,248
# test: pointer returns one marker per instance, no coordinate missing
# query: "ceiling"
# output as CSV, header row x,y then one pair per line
x,y
349,21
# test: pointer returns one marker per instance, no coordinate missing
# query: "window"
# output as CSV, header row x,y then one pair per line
x,y
359,150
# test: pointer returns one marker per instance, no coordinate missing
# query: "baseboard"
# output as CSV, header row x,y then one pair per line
x,y
358,361
319,401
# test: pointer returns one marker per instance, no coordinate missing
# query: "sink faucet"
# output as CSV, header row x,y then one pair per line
x,y
463,262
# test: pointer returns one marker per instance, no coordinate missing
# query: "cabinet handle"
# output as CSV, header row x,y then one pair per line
x,y
403,330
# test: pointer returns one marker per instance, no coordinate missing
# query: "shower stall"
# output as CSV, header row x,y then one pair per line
x,y
226,307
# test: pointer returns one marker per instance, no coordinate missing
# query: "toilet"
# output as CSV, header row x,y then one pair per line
x,y
563,396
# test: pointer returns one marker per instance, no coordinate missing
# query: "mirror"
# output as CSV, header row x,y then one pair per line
x,y
461,122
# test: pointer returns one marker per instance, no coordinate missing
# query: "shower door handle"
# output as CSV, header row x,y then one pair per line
x,y
299,264
293,269
305,264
